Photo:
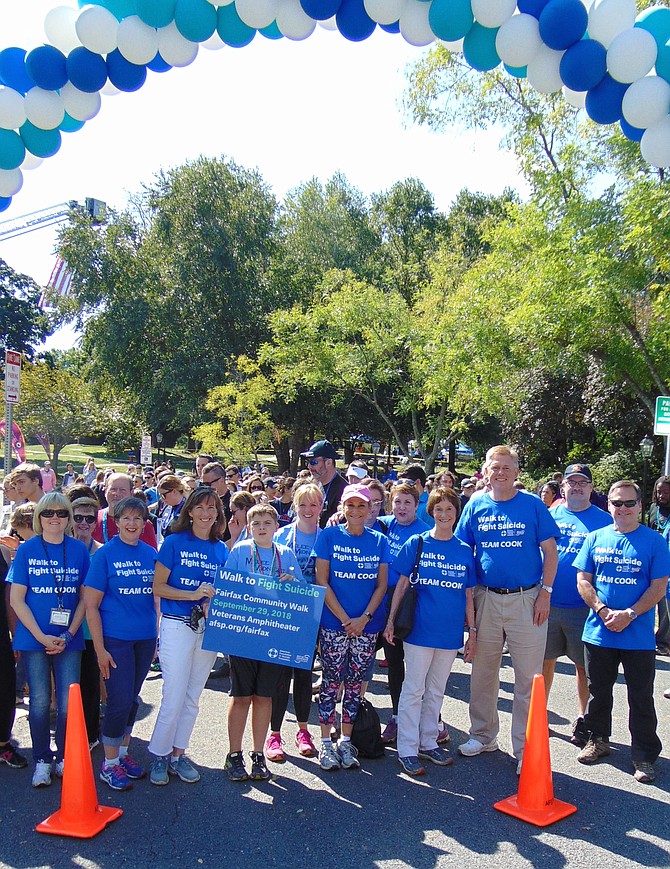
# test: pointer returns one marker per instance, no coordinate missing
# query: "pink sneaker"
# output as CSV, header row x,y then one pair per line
x,y
304,743
273,748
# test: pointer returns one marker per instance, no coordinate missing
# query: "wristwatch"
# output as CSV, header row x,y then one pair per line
x,y
369,615
632,615
548,588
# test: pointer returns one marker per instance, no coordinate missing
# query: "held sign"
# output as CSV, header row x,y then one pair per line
x,y
12,377
256,616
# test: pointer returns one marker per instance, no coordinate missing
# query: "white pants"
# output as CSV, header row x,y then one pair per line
x,y
185,669
426,674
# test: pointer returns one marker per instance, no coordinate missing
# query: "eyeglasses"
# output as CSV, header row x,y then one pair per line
x,y
229,476
405,482
90,520
376,503
61,514
629,503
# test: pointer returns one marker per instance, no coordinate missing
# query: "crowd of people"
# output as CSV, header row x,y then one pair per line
x,y
114,574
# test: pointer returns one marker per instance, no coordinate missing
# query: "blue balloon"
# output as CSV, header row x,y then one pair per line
x,y
195,19
450,19
86,70
123,74
517,71
479,47
12,150
657,21
532,7
603,102
156,13
663,62
46,67
562,23
583,65
158,64
41,143
321,10
120,9
13,71
630,132
391,28
70,124
230,27
271,31
5,202
353,21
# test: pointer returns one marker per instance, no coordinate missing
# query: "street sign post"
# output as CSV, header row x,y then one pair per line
x,y
12,396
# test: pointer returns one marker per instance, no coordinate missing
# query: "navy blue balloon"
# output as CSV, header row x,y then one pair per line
x,y
46,67
630,132
391,28
86,70
158,64
5,202
321,10
13,71
603,102
532,7
562,23
583,65
124,75
353,21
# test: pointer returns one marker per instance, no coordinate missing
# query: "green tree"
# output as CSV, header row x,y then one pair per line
x,y
23,323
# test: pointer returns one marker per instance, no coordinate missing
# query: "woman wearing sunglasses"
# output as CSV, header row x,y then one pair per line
x,y
46,575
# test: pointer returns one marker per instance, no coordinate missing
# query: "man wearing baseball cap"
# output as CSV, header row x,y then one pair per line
x,y
321,458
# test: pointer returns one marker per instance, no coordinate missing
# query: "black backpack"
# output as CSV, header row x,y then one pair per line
x,y
366,734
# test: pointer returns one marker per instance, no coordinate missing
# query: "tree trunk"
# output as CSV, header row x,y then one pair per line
x,y
281,452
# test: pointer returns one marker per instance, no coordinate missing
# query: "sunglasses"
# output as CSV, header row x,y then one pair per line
x,y
405,482
313,462
90,520
61,514
630,503
256,489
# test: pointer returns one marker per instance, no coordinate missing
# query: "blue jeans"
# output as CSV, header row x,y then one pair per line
x,y
39,667
132,659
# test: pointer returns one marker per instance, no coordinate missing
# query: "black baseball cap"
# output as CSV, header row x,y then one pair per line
x,y
578,470
322,450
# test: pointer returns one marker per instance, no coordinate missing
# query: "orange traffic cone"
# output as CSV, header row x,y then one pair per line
x,y
79,814
535,801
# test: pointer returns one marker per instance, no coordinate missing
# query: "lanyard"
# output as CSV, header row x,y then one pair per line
x,y
293,536
257,564
105,533
59,579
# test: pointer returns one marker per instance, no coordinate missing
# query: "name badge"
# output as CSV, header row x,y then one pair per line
x,y
59,617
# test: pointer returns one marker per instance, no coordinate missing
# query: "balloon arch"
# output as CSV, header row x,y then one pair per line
x,y
603,56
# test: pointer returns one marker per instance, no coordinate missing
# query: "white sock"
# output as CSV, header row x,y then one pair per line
x,y
110,762
326,740
344,738
175,758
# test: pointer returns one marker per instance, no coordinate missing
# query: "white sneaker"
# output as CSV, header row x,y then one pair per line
x,y
473,747
58,768
42,774
329,759
348,754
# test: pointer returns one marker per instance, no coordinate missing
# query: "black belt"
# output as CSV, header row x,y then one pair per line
x,y
512,590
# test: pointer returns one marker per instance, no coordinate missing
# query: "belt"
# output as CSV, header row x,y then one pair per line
x,y
512,590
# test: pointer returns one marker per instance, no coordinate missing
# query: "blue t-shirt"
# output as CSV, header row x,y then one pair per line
x,y
274,561
124,574
623,566
446,569
354,569
422,511
573,527
191,561
397,535
302,546
506,537
40,574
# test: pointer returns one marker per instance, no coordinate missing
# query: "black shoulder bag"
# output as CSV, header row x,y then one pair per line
x,y
404,617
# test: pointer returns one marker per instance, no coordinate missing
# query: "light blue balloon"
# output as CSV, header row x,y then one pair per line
x,y
12,150
517,71
272,31
40,143
195,19
120,9
70,124
156,13
230,27
657,22
450,19
479,47
663,62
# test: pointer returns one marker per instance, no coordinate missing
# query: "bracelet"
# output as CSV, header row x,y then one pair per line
x,y
67,636
603,607
472,629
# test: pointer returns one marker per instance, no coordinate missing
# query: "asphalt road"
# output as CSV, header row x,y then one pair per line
x,y
375,817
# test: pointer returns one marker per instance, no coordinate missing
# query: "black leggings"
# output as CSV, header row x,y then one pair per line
x,y
7,684
90,691
302,697
395,657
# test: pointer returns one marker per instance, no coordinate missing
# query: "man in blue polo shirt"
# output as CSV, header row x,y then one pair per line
x,y
622,574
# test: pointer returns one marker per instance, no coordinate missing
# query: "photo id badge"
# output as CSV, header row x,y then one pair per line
x,y
61,618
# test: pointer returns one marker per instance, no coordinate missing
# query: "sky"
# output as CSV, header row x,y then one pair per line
x,y
292,110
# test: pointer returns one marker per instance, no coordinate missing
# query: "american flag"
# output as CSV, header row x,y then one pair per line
x,y
59,283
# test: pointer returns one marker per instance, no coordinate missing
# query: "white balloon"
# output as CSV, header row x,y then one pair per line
x,y
257,13
11,181
519,40
97,29
609,18
174,48
631,55
12,109
575,98
646,102
414,25
293,21
79,105
329,24
138,42
44,109
655,144
214,43
31,162
110,90
455,46
493,13
543,70
384,11
60,28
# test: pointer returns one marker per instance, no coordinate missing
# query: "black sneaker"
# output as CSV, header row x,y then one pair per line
x,y
259,770
580,733
234,767
10,756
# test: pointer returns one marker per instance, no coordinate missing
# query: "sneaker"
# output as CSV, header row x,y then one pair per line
x,y
390,733
10,756
304,743
580,733
318,664
518,767
59,768
93,744
184,769
42,774
115,776
259,769
443,733
411,765
273,748
132,768
329,759
473,747
438,756
644,772
666,693
159,772
348,754
234,767
383,663
595,748
155,666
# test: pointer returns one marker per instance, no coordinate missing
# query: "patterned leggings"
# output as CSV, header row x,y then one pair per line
x,y
345,659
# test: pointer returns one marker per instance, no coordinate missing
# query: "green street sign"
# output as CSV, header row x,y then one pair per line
x,y
662,418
